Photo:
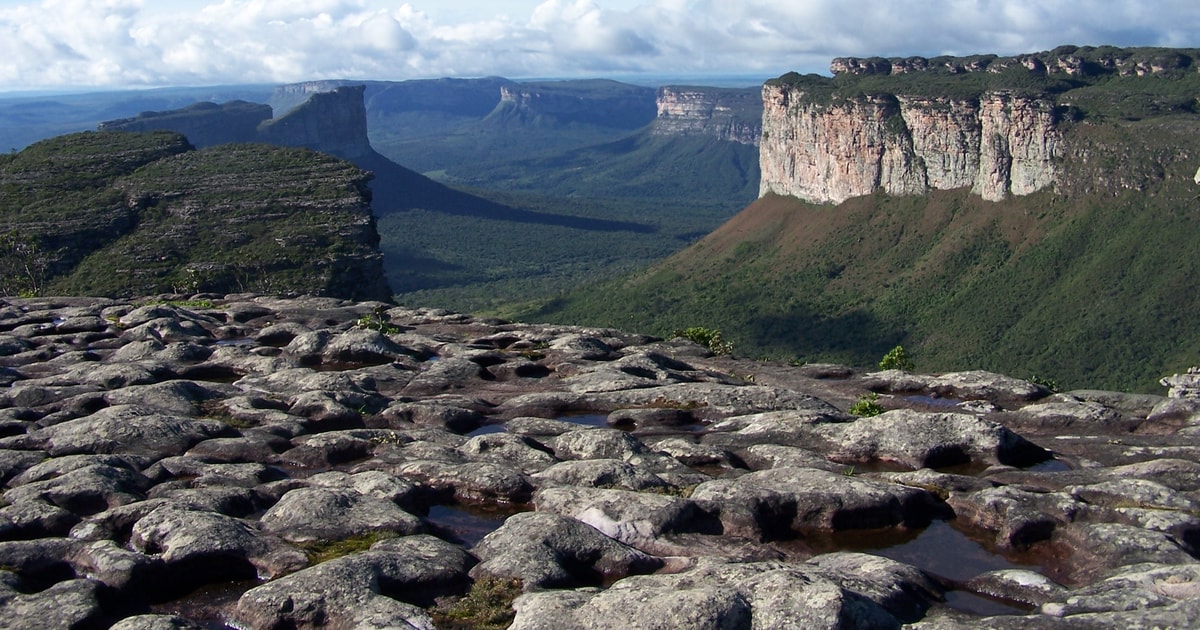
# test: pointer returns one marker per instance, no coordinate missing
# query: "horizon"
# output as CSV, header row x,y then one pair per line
x,y
120,45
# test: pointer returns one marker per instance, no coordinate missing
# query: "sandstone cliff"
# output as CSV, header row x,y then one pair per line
x,y
999,144
333,122
732,115
994,124
595,102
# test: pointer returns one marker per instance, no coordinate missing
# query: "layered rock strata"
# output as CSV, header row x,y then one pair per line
x,y
311,462
726,114
999,144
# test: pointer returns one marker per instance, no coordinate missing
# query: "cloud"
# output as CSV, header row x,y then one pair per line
x,y
133,42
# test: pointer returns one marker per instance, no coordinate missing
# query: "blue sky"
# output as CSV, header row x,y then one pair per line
x,y
72,44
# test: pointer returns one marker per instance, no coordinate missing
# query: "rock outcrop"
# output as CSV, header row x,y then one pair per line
x,y
595,102
333,122
732,115
261,462
999,144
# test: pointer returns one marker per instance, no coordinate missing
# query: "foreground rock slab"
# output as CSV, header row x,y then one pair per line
x,y
263,462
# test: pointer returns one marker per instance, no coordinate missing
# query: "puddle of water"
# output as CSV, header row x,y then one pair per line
x,y
931,401
244,341
587,420
468,524
939,549
1050,465
486,429
211,605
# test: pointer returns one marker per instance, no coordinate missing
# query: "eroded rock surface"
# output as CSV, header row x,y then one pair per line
x,y
322,463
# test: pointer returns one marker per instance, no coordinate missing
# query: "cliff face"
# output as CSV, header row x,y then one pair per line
x,y
1000,144
593,102
993,124
726,114
332,122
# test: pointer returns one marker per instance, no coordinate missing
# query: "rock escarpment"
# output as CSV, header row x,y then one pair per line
x,y
333,122
999,144
313,463
992,124
594,102
727,114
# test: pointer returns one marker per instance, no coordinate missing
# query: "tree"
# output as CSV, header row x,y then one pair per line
x,y
23,264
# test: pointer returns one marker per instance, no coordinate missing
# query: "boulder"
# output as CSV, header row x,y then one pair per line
x,y
545,550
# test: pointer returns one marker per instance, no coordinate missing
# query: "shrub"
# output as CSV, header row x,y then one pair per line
x,y
487,605
708,337
867,406
896,359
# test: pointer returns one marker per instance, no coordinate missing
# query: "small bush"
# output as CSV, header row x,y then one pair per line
x,y
378,320
488,606
867,406
1048,383
708,337
896,359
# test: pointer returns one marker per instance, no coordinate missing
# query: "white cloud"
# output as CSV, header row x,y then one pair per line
x,y
131,42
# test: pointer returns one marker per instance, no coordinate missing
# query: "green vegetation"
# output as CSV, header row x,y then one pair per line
x,y
378,320
123,214
324,550
896,359
23,264
866,407
708,337
487,606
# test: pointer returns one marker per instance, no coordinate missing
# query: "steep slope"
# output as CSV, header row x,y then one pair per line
x,y
1087,279
141,213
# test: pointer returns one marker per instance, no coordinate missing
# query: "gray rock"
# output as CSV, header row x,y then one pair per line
x,y
468,482
1018,585
521,453
926,440
637,519
157,622
84,491
1019,518
600,473
328,514
69,604
200,547
127,429
711,595
34,519
381,588
781,502
545,550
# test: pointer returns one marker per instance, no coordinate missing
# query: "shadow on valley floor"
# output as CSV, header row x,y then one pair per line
x,y
396,189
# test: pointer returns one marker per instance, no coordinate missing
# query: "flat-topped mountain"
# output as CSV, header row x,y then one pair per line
x,y
1025,214
119,213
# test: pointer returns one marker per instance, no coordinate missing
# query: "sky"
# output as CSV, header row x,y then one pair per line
x,y
77,44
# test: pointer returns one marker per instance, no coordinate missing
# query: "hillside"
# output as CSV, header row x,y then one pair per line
x,y
1086,280
116,213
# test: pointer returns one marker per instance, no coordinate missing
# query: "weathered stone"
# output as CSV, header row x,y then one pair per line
x,y
156,622
381,588
519,452
474,481
201,547
545,550
600,473
781,502
127,429
327,514
1018,585
712,595
68,604
637,519
85,490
